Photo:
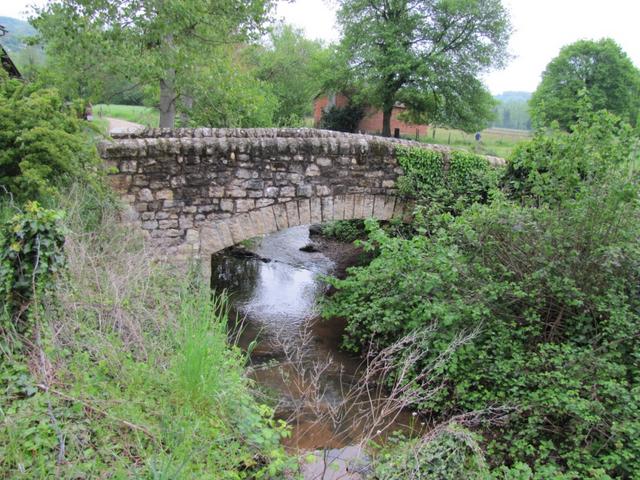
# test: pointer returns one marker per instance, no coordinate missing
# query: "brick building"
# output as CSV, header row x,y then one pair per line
x,y
372,120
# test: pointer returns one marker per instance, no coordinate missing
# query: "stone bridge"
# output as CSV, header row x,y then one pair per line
x,y
197,191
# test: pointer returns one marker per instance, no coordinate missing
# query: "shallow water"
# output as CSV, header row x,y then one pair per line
x,y
295,356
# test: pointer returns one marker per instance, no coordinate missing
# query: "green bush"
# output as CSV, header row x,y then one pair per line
x,y
344,230
552,289
554,165
342,119
44,146
446,185
31,253
451,454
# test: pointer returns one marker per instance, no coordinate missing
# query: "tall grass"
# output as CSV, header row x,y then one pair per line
x,y
131,375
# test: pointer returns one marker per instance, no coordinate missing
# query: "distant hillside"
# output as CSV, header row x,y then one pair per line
x,y
18,30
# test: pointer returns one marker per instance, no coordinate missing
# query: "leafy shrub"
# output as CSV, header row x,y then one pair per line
x,y
450,185
342,119
31,252
554,291
452,453
43,145
344,230
554,166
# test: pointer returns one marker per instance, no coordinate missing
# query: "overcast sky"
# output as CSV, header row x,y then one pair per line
x,y
541,28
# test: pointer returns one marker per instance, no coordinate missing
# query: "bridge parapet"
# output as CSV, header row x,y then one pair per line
x,y
196,191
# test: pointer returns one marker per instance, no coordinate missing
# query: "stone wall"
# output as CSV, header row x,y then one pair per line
x,y
196,191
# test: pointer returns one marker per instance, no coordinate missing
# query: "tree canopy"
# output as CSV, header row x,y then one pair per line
x,y
599,69
293,65
426,54
148,41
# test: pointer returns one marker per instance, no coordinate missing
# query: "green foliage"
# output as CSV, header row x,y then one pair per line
x,y
425,54
31,253
445,183
452,453
550,289
148,42
556,166
344,230
137,390
43,145
342,119
599,69
291,65
227,93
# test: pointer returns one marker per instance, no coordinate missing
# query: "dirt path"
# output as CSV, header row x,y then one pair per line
x,y
117,125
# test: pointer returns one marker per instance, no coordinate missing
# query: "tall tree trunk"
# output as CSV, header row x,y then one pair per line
x,y
386,121
168,100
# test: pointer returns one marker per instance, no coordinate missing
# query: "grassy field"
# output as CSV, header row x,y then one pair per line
x,y
146,116
494,141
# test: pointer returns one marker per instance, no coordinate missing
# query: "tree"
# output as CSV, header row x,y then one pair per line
x,y
293,65
426,54
149,41
227,94
601,70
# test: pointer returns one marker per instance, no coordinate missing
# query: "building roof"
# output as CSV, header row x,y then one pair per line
x,y
5,59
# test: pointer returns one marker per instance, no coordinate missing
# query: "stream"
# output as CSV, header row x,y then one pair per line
x,y
296,360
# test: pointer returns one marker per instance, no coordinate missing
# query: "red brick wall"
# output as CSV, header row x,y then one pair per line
x,y
322,102
372,121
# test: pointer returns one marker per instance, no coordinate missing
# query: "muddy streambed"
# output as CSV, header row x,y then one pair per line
x,y
296,361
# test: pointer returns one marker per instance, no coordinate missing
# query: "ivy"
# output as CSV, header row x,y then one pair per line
x,y
31,253
452,183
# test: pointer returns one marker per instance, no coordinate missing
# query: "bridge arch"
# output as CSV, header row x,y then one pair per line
x,y
224,233
196,191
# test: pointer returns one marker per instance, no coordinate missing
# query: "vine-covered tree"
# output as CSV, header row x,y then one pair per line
x,y
599,69
150,41
426,54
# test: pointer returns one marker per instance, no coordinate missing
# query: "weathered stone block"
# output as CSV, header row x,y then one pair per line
x,y
316,210
245,205
164,194
327,209
236,192
287,191
216,191
292,213
150,225
165,224
145,195
312,171
226,205
304,191
322,190
280,214
264,202
272,192
304,212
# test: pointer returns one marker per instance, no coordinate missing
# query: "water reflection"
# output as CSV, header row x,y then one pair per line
x,y
296,356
